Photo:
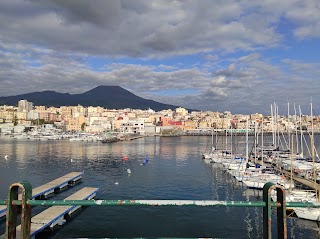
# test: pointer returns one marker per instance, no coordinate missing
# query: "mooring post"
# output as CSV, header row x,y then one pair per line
x,y
281,211
12,210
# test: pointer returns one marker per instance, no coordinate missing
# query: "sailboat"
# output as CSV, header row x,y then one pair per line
x,y
310,213
296,195
213,155
208,156
258,179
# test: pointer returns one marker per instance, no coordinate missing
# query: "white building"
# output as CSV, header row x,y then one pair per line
x,y
181,111
33,115
132,127
24,106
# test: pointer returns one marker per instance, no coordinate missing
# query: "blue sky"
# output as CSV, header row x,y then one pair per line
x,y
237,56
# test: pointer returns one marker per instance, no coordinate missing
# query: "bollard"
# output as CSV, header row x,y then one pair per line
x,y
281,211
12,210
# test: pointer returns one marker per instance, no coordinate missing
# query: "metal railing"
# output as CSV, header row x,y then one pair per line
x,y
26,203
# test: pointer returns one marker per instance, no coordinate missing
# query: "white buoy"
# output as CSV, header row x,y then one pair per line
x,y
129,171
116,183
71,160
6,157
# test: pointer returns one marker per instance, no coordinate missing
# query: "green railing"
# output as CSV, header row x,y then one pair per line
x,y
26,203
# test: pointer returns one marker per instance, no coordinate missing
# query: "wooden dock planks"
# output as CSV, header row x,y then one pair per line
x,y
50,187
55,214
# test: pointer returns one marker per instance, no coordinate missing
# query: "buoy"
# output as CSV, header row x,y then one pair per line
x,y
129,171
125,157
71,160
145,161
116,183
6,157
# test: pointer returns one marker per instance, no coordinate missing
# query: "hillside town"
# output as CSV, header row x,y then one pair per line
x,y
98,120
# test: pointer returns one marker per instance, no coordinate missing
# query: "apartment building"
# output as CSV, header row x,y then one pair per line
x,y
24,106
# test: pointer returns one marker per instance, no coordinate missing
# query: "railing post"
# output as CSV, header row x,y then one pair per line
x,y
281,211
12,210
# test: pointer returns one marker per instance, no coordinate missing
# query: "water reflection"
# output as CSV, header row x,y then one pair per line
x,y
174,171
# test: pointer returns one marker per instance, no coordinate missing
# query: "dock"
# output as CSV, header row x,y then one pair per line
x,y
131,137
57,215
303,181
54,186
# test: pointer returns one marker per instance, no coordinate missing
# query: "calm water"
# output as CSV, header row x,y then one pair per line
x,y
175,171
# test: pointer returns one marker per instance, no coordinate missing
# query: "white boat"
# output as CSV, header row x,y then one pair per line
x,y
210,154
297,195
312,214
260,180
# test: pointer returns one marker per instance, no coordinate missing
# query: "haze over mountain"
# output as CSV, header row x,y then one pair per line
x,y
111,97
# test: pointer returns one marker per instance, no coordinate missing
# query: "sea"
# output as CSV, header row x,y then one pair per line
x,y
173,170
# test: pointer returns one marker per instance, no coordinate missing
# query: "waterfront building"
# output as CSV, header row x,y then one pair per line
x,y
97,124
168,122
33,115
24,106
167,113
40,108
255,116
181,111
190,124
132,127
8,115
21,115
6,128
74,124
110,113
204,124
52,110
66,112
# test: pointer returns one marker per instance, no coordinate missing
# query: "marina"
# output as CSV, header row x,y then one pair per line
x,y
174,171
188,119
52,187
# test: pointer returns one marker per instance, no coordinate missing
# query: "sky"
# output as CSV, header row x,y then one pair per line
x,y
216,55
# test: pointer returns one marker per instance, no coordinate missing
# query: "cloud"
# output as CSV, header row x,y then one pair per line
x,y
143,29
249,83
210,57
140,46
306,17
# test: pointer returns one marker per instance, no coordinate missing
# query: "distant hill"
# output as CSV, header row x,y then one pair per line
x,y
111,97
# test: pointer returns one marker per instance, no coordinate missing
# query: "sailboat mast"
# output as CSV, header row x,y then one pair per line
x,y
211,138
312,153
273,136
301,132
295,126
288,129
278,128
227,138
291,167
255,142
247,143
262,140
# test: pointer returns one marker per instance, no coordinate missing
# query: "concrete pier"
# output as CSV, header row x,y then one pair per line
x,y
57,215
54,186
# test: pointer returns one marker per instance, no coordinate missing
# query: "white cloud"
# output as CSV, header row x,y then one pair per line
x,y
144,29
46,45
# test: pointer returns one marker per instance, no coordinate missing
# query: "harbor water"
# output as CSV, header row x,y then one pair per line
x,y
173,170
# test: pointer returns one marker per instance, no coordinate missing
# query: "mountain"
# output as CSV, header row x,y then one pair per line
x,y
111,97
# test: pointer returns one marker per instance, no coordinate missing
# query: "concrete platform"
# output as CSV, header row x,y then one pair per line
x,y
54,186
55,215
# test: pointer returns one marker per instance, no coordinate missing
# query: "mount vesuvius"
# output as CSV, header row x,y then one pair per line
x,y
111,97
